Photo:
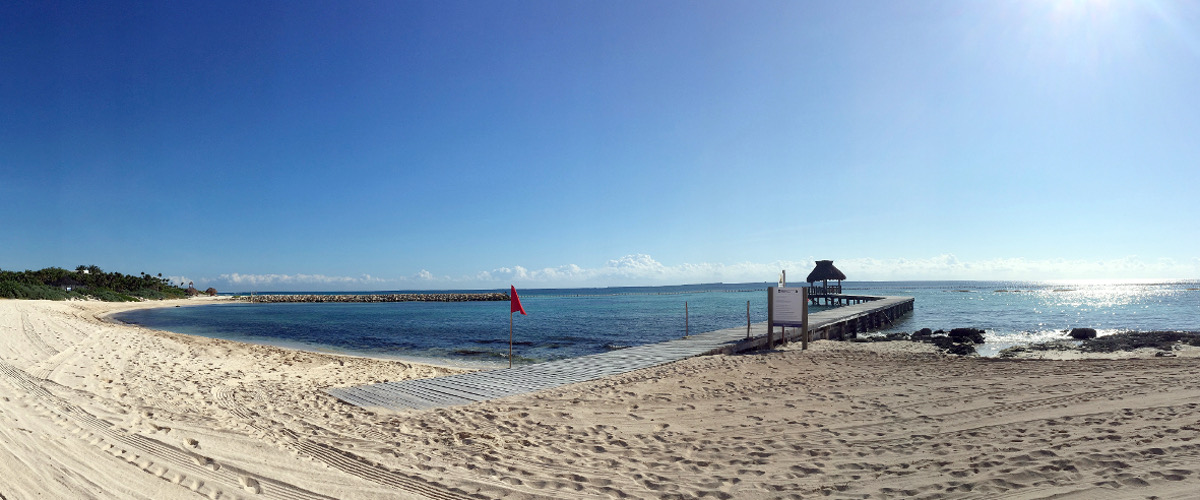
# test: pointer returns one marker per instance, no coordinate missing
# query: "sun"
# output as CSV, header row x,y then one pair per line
x,y
1080,35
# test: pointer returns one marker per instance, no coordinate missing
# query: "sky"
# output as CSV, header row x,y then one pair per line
x,y
392,145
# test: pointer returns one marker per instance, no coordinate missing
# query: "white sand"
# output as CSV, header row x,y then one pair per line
x,y
90,409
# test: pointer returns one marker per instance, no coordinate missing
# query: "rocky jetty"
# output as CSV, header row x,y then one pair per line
x,y
388,297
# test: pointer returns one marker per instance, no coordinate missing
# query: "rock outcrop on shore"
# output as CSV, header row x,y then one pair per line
x,y
1082,333
389,297
958,341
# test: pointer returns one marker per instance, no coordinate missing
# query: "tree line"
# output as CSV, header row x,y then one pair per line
x,y
56,283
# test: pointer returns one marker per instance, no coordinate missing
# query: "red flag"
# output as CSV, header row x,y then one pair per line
x,y
515,302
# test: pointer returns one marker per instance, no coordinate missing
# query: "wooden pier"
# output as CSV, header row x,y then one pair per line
x,y
863,315
466,388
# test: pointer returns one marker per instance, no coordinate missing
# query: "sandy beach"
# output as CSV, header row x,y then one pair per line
x,y
94,409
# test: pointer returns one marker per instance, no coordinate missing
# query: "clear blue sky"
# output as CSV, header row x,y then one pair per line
x,y
403,144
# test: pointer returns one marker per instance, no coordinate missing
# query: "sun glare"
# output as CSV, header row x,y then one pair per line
x,y
1074,7
1085,34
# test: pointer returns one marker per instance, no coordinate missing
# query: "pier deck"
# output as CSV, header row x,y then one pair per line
x,y
466,388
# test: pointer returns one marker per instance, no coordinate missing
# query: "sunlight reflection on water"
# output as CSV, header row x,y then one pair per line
x,y
1020,313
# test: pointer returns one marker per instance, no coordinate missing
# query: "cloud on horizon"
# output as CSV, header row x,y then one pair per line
x,y
260,280
642,269
179,280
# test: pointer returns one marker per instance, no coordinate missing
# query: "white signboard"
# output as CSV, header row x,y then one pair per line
x,y
787,306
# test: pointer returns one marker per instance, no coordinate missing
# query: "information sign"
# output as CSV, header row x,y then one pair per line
x,y
788,306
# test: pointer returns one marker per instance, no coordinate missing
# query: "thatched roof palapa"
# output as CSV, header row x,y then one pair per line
x,y
824,272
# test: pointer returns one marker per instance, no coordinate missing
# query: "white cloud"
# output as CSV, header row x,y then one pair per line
x,y
634,269
637,266
260,280
642,269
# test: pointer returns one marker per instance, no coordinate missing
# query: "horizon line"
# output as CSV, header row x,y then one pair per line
x,y
1079,281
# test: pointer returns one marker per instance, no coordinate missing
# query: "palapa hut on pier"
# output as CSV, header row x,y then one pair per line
x,y
823,273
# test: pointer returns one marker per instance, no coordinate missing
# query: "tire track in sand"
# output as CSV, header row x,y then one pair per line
x,y
34,339
342,460
187,469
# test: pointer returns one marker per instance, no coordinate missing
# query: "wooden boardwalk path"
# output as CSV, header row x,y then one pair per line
x,y
466,388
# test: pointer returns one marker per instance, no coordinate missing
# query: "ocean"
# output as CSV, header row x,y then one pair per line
x,y
564,323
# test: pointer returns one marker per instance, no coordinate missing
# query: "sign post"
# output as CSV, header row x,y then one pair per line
x,y
787,307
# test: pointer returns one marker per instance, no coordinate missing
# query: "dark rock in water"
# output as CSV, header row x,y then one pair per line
x,y
1053,345
964,335
1128,341
959,341
961,349
887,337
1083,333
942,342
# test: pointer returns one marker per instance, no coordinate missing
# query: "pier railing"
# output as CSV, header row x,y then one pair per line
x,y
824,290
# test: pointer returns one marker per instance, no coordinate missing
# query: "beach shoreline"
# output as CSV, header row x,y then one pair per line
x,y
456,364
99,409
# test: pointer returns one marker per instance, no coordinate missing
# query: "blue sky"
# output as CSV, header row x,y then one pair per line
x,y
412,145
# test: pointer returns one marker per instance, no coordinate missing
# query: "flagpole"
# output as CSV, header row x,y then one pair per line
x,y
514,305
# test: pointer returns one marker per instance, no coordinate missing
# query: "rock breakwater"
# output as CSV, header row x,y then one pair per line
x,y
388,297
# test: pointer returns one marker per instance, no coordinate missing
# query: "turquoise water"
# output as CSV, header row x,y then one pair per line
x,y
573,322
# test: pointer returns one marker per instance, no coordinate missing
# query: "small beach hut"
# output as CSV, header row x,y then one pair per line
x,y
823,273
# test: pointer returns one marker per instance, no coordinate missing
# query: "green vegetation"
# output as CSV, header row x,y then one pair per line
x,y
54,283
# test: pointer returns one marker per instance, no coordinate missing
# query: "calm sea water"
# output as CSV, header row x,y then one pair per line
x,y
566,323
